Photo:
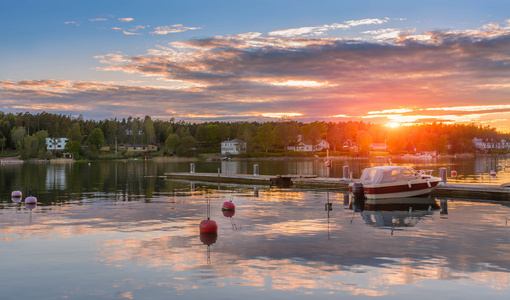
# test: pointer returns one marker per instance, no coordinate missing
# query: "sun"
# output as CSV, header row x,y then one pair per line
x,y
393,124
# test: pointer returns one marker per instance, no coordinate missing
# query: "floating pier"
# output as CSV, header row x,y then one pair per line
x,y
471,191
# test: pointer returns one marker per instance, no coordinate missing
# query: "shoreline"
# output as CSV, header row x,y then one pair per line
x,y
16,159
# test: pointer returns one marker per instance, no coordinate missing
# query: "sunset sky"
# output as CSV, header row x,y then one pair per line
x,y
388,62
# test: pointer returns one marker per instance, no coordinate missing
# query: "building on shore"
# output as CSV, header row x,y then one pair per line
x,y
303,147
138,148
233,147
491,143
56,144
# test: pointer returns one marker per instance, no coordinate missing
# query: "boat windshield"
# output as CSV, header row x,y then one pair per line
x,y
380,175
409,173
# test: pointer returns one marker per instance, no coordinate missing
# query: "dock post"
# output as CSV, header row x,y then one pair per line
x,y
192,168
255,170
346,199
346,172
442,174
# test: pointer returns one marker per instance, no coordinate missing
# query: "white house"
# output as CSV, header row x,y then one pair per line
x,y
56,144
491,144
322,145
379,146
349,145
235,146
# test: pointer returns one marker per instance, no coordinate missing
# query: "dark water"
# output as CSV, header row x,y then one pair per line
x,y
123,231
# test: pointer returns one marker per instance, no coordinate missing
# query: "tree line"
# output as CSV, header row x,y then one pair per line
x,y
25,134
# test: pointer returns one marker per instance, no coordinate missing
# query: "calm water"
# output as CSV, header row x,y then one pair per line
x,y
123,231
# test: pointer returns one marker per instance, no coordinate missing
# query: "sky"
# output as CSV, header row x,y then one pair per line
x,y
385,62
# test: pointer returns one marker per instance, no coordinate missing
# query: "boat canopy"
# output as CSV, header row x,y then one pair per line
x,y
388,174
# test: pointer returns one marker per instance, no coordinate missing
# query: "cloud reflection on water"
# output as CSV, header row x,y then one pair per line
x,y
281,243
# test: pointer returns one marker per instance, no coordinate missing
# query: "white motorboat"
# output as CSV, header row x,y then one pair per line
x,y
390,182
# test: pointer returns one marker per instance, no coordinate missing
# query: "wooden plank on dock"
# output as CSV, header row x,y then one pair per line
x,y
473,191
221,177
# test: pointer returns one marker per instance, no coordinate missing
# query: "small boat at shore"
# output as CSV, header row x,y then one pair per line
x,y
390,182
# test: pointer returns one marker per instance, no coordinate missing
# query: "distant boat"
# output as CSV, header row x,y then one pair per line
x,y
390,182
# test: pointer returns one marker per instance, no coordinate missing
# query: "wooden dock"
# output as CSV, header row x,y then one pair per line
x,y
470,191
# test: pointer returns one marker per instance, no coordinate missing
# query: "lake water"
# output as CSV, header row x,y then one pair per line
x,y
118,230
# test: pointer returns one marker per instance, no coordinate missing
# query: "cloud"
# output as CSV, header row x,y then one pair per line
x,y
98,20
247,75
334,76
385,34
126,19
321,30
130,33
72,23
163,30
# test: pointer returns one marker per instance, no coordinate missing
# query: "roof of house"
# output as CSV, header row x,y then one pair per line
x,y
233,141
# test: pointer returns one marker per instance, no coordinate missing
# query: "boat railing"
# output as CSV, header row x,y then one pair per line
x,y
427,172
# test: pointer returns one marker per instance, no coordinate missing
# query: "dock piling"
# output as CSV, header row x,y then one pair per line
x,y
442,175
345,170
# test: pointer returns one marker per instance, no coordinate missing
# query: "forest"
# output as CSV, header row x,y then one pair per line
x,y
24,135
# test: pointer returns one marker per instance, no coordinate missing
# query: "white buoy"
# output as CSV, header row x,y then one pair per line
x,y
31,200
16,194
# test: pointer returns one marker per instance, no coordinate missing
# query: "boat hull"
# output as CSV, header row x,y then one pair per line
x,y
400,189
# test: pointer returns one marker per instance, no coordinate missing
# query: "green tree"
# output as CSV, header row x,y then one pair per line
x,y
200,133
28,148
286,133
111,131
223,132
41,143
135,130
364,139
396,141
17,136
74,147
187,145
313,132
336,136
96,139
212,134
6,131
172,142
2,142
149,129
265,137
246,132
75,133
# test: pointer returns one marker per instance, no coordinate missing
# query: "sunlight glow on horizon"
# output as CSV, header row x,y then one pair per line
x,y
281,115
471,107
391,111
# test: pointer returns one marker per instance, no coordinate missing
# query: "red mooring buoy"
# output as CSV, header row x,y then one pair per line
x,y
228,205
208,226
31,200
